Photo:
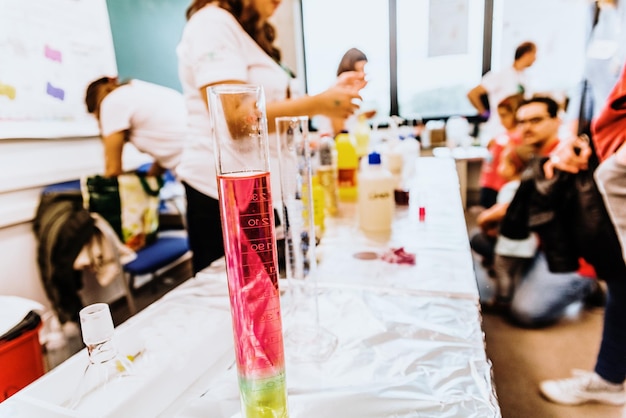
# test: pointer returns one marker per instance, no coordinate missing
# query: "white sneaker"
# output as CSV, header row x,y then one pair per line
x,y
584,387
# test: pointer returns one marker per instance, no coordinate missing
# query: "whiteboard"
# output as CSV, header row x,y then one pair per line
x,y
50,50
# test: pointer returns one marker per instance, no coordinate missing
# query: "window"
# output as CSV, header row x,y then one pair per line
x,y
328,35
425,55
440,55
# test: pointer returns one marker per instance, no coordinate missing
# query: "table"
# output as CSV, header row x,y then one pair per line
x,y
468,163
409,341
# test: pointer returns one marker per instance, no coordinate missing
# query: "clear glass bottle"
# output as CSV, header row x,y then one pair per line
x,y
327,174
362,133
100,384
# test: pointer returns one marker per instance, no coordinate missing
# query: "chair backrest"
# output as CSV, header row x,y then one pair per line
x,y
71,185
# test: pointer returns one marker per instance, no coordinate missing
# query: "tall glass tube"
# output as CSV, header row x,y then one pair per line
x,y
243,175
306,339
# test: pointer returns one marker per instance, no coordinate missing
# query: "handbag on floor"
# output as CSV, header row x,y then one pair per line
x,y
129,202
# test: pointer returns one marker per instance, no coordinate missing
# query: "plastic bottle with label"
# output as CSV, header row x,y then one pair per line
x,y
376,204
327,173
347,166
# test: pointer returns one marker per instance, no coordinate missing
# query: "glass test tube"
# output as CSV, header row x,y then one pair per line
x,y
242,164
306,339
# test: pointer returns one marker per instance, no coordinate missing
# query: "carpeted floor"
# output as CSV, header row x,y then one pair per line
x,y
522,358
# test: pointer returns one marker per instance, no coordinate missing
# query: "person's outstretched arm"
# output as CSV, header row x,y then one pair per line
x,y
474,96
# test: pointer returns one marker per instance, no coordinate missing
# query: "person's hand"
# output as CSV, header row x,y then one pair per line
x,y
338,102
354,80
571,155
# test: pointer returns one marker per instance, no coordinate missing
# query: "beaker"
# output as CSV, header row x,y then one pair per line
x,y
245,195
306,339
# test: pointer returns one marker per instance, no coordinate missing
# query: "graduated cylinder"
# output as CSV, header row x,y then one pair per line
x,y
242,162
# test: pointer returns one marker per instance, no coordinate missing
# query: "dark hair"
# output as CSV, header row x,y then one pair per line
x,y
349,60
248,18
524,48
511,103
91,96
551,105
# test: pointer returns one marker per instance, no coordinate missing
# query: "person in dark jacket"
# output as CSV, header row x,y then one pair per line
x,y
542,296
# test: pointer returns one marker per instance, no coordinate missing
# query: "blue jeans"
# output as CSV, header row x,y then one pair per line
x,y
542,297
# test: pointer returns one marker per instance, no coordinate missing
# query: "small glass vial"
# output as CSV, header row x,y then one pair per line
x,y
106,367
327,174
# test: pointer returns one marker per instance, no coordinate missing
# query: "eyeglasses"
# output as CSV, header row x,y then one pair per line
x,y
533,121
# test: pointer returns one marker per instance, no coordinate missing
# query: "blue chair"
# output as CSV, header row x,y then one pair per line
x,y
66,186
169,248
165,251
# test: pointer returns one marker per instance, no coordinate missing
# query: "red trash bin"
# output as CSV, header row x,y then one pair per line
x,y
21,357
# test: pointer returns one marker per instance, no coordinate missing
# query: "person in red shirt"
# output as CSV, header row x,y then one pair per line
x,y
490,180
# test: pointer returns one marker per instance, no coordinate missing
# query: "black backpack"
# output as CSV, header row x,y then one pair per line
x,y
62,227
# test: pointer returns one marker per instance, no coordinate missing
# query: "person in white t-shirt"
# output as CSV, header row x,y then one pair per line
x,y
231,41
497,85
150,116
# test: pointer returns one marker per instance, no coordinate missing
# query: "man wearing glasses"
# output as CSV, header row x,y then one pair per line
x,y
539,124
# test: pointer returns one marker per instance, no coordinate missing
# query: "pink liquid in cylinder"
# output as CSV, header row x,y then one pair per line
x,y
252,269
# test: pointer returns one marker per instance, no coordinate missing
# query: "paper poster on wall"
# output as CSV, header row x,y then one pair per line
x,y
50,50
448,27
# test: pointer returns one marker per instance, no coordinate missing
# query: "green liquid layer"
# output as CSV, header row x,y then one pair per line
x,y
264,398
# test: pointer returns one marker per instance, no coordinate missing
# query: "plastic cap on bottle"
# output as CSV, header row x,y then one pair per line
x,y
96,323
373,158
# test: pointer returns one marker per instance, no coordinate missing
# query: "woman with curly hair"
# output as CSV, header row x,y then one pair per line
x,y
231,41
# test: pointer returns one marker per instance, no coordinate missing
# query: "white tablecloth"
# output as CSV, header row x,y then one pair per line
x,y
409,341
